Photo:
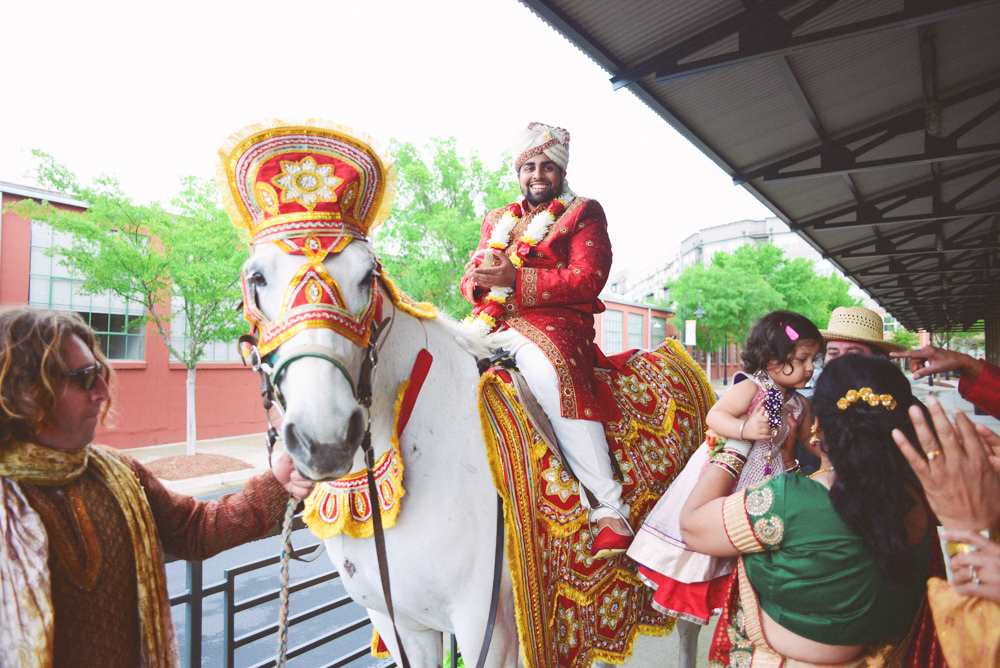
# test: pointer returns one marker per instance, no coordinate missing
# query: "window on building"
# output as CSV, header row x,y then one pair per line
x,y
116,323
658,331
612,331
635,330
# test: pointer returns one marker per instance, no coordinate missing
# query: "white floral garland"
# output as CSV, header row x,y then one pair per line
x,y
482,322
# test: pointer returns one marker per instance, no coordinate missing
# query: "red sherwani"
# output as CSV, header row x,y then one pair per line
x,y
555,299
985,392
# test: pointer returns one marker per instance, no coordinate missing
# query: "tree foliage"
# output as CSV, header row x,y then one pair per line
x,y
180,263
905,337
737,288
441,198
146,253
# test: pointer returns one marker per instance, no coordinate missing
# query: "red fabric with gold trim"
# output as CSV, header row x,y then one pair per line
x,y
311,188
556,297
312,299
288,180
573,609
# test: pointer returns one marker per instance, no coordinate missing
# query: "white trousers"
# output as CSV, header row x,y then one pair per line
x,y
583,442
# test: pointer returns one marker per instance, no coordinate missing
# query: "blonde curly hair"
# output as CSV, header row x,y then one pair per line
x,y
32,368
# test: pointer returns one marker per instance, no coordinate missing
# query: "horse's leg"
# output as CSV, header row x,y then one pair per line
x,y
423,645
687,634
469,632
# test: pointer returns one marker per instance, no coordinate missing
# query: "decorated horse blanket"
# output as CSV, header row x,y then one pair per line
x,y
572,609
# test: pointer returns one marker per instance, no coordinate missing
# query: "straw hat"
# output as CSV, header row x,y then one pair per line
x,y
856,323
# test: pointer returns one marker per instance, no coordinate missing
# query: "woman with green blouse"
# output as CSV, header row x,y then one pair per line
x,y
833,565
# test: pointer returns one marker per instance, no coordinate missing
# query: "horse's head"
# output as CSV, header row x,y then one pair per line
x,y
314,319
308,194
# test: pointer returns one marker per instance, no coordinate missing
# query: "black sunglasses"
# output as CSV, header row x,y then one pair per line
x,y
87,377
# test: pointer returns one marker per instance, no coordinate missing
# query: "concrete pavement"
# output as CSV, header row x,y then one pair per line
x,y
250,449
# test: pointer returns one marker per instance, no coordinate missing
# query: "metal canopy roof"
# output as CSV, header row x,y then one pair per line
x,y
872,127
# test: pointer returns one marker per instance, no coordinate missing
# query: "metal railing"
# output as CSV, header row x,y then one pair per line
x,y
196,592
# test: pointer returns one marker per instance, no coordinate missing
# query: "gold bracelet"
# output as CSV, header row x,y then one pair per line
x,y
955,548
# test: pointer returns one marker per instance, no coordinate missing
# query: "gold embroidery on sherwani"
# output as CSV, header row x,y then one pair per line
x,y
33,464
71,535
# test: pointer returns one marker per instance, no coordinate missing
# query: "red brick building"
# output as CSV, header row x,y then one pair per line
x,y
626,325
149,404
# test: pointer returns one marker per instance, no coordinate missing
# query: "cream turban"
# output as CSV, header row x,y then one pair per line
x,y
541,138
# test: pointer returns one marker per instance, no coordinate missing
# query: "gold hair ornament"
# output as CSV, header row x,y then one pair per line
x,y
866,394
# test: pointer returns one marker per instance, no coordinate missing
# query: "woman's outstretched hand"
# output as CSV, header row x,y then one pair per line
x,y
955,468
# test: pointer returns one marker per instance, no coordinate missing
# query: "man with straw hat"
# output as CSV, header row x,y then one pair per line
x,y
855,329
534,283
852,330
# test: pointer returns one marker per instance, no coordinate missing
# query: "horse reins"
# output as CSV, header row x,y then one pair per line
x,y
363,389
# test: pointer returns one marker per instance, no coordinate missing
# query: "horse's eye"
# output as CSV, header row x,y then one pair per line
x,y
258,279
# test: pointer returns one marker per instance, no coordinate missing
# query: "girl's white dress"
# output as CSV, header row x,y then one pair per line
x,y
688,584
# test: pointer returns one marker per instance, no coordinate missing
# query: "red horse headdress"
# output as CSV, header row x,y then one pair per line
x,y
311,189
291,180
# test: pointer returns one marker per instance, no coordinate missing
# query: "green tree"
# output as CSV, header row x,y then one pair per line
x,y
737,288
183,266
441,198
905,337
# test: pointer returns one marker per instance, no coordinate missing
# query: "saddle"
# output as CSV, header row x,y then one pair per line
x,y
572,609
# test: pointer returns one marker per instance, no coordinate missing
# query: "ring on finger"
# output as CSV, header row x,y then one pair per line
x,y
973,575
931,456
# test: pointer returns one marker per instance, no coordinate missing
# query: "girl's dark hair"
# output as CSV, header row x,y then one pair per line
x,y
872,490
769,339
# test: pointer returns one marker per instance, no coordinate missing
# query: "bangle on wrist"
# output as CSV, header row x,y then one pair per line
x,y
743,423
729,461
792,466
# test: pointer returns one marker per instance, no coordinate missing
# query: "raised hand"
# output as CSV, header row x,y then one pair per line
x,y
962,486
929,359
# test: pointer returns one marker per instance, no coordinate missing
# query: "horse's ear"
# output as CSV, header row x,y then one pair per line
x,y
239,305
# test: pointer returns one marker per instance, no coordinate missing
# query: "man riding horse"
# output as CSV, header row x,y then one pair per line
x,y
534,282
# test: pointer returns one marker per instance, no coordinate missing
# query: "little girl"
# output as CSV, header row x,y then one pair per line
x,y
757,416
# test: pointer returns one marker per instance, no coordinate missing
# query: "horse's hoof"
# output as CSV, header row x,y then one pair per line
x,y
608,543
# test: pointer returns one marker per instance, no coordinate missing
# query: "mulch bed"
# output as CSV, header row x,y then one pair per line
x,y
184,467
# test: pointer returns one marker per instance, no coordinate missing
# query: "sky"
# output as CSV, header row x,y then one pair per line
x,y
147,92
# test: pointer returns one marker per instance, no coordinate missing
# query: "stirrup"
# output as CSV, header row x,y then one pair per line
x,y
590,522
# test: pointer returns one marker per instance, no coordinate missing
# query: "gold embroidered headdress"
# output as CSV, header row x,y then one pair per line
x,y
282,180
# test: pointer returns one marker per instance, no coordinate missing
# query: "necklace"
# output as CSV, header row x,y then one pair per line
x,y
826,470
486,316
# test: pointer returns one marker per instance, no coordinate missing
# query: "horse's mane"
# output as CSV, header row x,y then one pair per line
x,y
466,338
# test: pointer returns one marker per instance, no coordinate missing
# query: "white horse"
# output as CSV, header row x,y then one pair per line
x,y
441,550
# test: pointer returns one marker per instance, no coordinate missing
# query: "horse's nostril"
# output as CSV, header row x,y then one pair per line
x,y
292,443
356,427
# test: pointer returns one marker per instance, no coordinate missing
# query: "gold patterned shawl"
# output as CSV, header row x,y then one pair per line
x,y
26,636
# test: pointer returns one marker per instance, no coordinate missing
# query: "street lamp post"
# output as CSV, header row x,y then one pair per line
x,y
698,313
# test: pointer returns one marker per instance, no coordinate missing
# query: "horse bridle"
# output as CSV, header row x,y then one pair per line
x,y
270,371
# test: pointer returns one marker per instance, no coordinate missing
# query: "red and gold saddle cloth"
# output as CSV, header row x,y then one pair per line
x,y
572,609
